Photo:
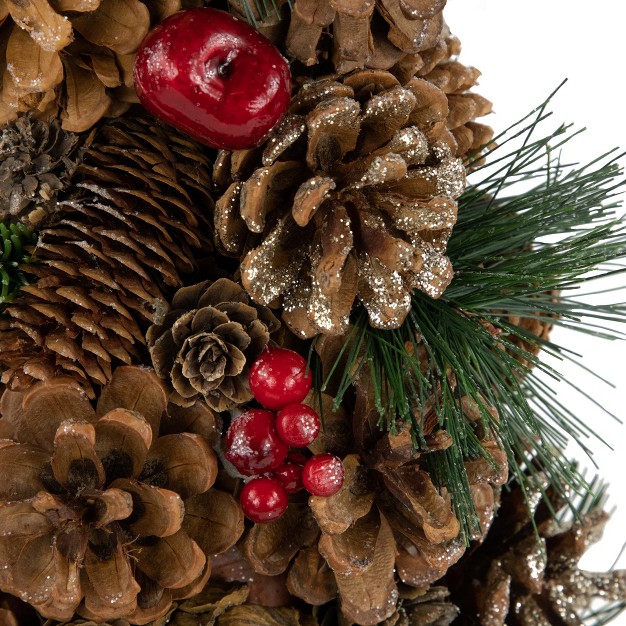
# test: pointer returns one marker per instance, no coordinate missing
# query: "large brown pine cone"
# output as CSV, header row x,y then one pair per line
x,y
37,160
132,224
353,197
522,579
100,512
73,58
207,341
387,526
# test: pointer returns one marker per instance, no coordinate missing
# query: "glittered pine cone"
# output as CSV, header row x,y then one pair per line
x,y
37,160
374,33
352,198
526,572
207,341
388,527
73,58
123,235
100,512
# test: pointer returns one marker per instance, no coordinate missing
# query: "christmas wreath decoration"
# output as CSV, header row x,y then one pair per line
x,y
273,300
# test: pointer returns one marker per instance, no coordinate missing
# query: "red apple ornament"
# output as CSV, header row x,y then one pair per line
x,y
214,77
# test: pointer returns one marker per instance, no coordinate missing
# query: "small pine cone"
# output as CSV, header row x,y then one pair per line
x,y
36,162
386,529
101,513
131,224
375,34
353,197
74,58
517,577
205,344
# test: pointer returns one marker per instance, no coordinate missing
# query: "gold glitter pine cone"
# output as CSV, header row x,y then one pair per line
x,y
100,511
517,577
353,197
131,225
387,528
207,341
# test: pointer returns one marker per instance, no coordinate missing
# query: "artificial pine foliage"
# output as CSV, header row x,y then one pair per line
x,y
16,242
143,274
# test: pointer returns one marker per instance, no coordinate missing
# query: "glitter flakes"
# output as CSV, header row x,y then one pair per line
x,y
370,207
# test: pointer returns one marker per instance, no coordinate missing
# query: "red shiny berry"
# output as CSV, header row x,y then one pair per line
x,y
290,477
323,474
214,77
263,499
279,377
252,444
297,425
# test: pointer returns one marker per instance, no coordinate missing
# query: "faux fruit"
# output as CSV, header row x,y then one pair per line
x,y
263,499
323,475
289,475
297,425
279,377
214,77
252,444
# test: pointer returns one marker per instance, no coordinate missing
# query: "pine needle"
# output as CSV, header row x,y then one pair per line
x,y
14,239
529,233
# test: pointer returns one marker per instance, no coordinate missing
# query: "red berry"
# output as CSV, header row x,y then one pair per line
x,y
263,499
214,77
297,425
323,475
279,377
252,444
290,476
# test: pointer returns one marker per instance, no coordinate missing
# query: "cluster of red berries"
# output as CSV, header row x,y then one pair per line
x,y
258,440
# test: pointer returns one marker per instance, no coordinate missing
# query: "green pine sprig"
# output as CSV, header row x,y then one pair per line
x,y
531,230
262,8
14,242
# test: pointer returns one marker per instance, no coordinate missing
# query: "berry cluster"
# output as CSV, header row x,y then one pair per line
x,y
258,440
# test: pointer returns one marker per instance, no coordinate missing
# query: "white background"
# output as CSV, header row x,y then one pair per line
x,y
524,49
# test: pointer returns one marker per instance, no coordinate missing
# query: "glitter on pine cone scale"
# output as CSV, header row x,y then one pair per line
x,y
354,200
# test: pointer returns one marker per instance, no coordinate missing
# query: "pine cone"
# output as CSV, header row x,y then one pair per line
x,y
131,224
36,161
14,612
100,514
74,58
206,343
354,196
387,525
518,578
375,34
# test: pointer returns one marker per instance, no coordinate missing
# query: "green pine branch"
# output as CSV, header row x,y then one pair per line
x,y
531,230
14,242
263,9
